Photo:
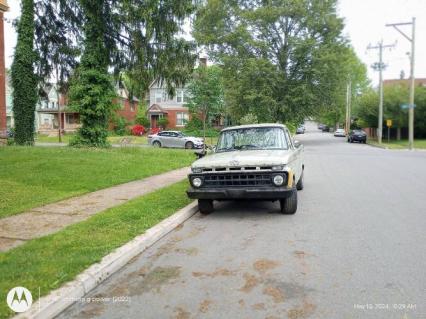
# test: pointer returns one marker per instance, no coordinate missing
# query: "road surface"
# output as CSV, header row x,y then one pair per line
x,y
355,249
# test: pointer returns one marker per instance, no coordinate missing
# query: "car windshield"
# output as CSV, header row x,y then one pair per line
x,y
252,138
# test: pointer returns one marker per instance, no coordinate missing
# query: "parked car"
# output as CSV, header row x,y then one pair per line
x,y
357,136
320,126
175,139
300,130
259,161
340,133
325,128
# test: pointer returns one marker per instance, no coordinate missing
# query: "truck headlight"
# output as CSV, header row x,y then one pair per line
x,y
197,182
277,168
197,170
278,180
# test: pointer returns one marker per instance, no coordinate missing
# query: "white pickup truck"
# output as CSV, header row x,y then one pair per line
x,y
260,162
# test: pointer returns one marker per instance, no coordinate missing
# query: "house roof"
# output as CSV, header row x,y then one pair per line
x,y
418,82
3,5
155,108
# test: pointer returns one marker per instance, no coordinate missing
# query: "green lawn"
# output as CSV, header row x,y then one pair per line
x,y
403,144
33,176
112,139
50,261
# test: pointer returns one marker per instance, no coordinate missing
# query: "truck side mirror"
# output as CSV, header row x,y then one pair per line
x,y
297,144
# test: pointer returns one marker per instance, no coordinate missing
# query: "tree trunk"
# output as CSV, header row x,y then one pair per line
x,y
398,133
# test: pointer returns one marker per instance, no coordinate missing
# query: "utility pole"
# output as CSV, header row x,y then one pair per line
x,y
380,66
348,107
411,105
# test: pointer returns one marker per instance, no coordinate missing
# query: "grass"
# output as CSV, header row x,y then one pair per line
x,y
402,144
50,261
112,139
34,176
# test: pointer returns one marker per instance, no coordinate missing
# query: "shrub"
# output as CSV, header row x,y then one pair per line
x,y
138,130
163,122
194,124
120,126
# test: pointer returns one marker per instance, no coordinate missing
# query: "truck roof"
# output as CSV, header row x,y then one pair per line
x,y
254,126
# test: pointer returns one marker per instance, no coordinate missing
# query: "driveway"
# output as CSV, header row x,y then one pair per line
x,y
355,249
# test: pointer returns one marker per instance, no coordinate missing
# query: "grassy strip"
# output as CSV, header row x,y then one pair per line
x,y
398,145
31,177
50,261
112,139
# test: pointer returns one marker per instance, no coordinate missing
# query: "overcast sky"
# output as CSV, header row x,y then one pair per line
x,y
365,23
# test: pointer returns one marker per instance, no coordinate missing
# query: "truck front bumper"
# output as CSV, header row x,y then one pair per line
x,y
264,193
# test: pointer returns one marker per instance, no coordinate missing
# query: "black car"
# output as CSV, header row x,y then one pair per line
x,y
325,128
357,136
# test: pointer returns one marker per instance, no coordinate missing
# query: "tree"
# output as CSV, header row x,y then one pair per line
x,y
205,93
24,80
293,48
134,37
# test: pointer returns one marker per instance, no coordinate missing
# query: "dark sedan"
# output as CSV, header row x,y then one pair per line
x,y
357,136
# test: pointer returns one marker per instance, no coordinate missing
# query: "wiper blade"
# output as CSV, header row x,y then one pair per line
x,y
246,146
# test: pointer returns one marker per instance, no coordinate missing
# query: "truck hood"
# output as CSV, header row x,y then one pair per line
x,y
245,158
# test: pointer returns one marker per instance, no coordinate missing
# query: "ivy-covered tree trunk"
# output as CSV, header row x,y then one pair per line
x,y
24,80
91,91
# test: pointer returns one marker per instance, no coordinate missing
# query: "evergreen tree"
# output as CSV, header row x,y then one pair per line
x,y
135,37
24,80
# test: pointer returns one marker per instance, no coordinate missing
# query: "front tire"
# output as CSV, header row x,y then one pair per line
x,y
189,145
299,185
156,144
205,206
289,205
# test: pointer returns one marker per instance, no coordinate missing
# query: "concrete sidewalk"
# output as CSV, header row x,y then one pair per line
x,y
48,219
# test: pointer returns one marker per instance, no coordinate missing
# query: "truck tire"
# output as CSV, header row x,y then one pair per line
x,y
205,206
299,185
289,205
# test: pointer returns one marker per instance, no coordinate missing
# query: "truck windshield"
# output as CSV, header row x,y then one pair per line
x,y
252,138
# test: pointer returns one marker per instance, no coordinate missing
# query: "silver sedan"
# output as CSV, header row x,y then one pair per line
x,y
175,139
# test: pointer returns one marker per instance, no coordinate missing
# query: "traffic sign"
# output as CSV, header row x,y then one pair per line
x,y
407,106
389,123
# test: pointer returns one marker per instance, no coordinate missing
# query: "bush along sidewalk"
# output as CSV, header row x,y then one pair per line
x,y
48,262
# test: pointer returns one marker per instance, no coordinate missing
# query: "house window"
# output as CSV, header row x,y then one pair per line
x,y
158,96
132,106
181,96
181,118
71,119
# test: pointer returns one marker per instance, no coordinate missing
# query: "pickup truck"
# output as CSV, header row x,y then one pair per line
x,y
260,162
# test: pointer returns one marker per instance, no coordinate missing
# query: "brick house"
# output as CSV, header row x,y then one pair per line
x,y
47,111
161,104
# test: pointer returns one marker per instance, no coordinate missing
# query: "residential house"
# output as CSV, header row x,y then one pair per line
x,y
9,103
161,104
47,110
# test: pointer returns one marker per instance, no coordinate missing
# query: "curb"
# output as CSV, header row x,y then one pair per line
x,y
58,300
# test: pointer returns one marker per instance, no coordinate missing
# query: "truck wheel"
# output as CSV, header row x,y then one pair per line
x,y
205,206
156,144
299,185
289,205
189,145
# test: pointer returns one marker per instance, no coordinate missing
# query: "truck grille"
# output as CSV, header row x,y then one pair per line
x,y
237,179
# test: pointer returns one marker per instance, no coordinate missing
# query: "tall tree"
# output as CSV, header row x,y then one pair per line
x,y
205,94
137,37
24,80
297,44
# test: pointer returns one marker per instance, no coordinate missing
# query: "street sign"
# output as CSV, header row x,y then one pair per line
x,y
388,123
407,106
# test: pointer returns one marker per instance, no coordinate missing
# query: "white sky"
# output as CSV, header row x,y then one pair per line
x,y
365,23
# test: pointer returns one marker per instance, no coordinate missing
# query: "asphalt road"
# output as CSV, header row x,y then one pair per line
x,y
355,249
